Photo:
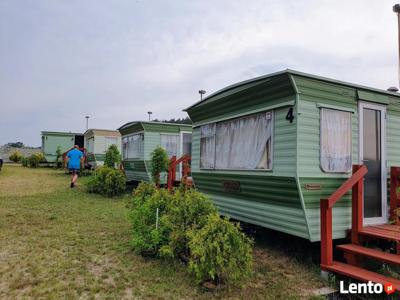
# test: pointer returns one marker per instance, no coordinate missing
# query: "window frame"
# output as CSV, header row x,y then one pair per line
x,y
272,111
127,137
346,110
177,144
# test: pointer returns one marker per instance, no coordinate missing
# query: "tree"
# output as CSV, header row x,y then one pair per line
x,y
58,157
159,163
113,157
16,145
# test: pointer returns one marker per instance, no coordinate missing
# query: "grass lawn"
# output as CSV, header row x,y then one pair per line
x,y
57,242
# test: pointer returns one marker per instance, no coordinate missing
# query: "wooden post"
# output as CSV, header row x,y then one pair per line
x,y
326,233
357,208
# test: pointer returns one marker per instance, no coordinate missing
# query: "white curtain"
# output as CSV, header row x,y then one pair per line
x,y
335,140
207,146
90,145
124,147
170,144
135,146
244,143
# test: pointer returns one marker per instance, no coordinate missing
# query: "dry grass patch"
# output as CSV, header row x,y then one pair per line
x,y
58,243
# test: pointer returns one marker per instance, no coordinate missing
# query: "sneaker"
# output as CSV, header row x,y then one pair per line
x,y
72,184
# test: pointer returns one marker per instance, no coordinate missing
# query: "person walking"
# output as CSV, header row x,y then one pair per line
x,y
74,160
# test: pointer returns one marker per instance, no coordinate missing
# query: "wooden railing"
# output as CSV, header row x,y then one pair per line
x,y
395,199
355,182
173,163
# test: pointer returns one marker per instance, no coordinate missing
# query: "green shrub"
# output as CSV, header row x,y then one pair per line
x,y
148,233
113,157
59,161
106,181
15,156
220,251
159,163
115,183
187,211
24,161
141,193
41,156
34,160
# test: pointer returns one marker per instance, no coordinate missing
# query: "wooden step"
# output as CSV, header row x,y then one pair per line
x,y
385,231
360,274
372,253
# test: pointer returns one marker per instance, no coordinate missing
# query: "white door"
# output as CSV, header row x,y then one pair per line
x,y
372,121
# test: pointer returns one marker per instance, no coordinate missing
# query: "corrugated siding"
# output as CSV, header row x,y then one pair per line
x,y
151,141
274,90
393,136
268,201
135,170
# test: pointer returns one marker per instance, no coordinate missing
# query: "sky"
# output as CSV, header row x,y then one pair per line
x,y
115,60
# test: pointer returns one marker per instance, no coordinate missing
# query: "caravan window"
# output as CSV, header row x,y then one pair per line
x,y
133,146
207,146
239,144
90,145
335,140
170,144
186,143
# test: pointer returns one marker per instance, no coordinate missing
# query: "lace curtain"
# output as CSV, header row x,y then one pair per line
x,y
243,143
132,146
207,146
170,144
335,140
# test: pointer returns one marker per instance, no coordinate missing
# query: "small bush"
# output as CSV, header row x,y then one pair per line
x,y
159,163
107,181
220,251
115,183
148,236
34,160
24,161
113,157
187,211
16,156
59,161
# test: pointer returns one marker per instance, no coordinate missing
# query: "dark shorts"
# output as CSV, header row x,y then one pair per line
x,y
74,171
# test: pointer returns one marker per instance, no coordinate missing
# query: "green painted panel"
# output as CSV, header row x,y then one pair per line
x,y
373,97
135,170
264,94
269,201
341,210
52,142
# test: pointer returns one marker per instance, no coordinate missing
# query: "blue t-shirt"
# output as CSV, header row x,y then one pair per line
x,y
74,161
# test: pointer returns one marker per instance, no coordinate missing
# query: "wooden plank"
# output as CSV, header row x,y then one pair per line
x,y
372,253
381,232
360,274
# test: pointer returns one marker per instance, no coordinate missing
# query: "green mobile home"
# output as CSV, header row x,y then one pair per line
x,y
139,139
268,149
97,141
51,140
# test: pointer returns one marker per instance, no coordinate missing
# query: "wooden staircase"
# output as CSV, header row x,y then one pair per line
x,y
356,252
